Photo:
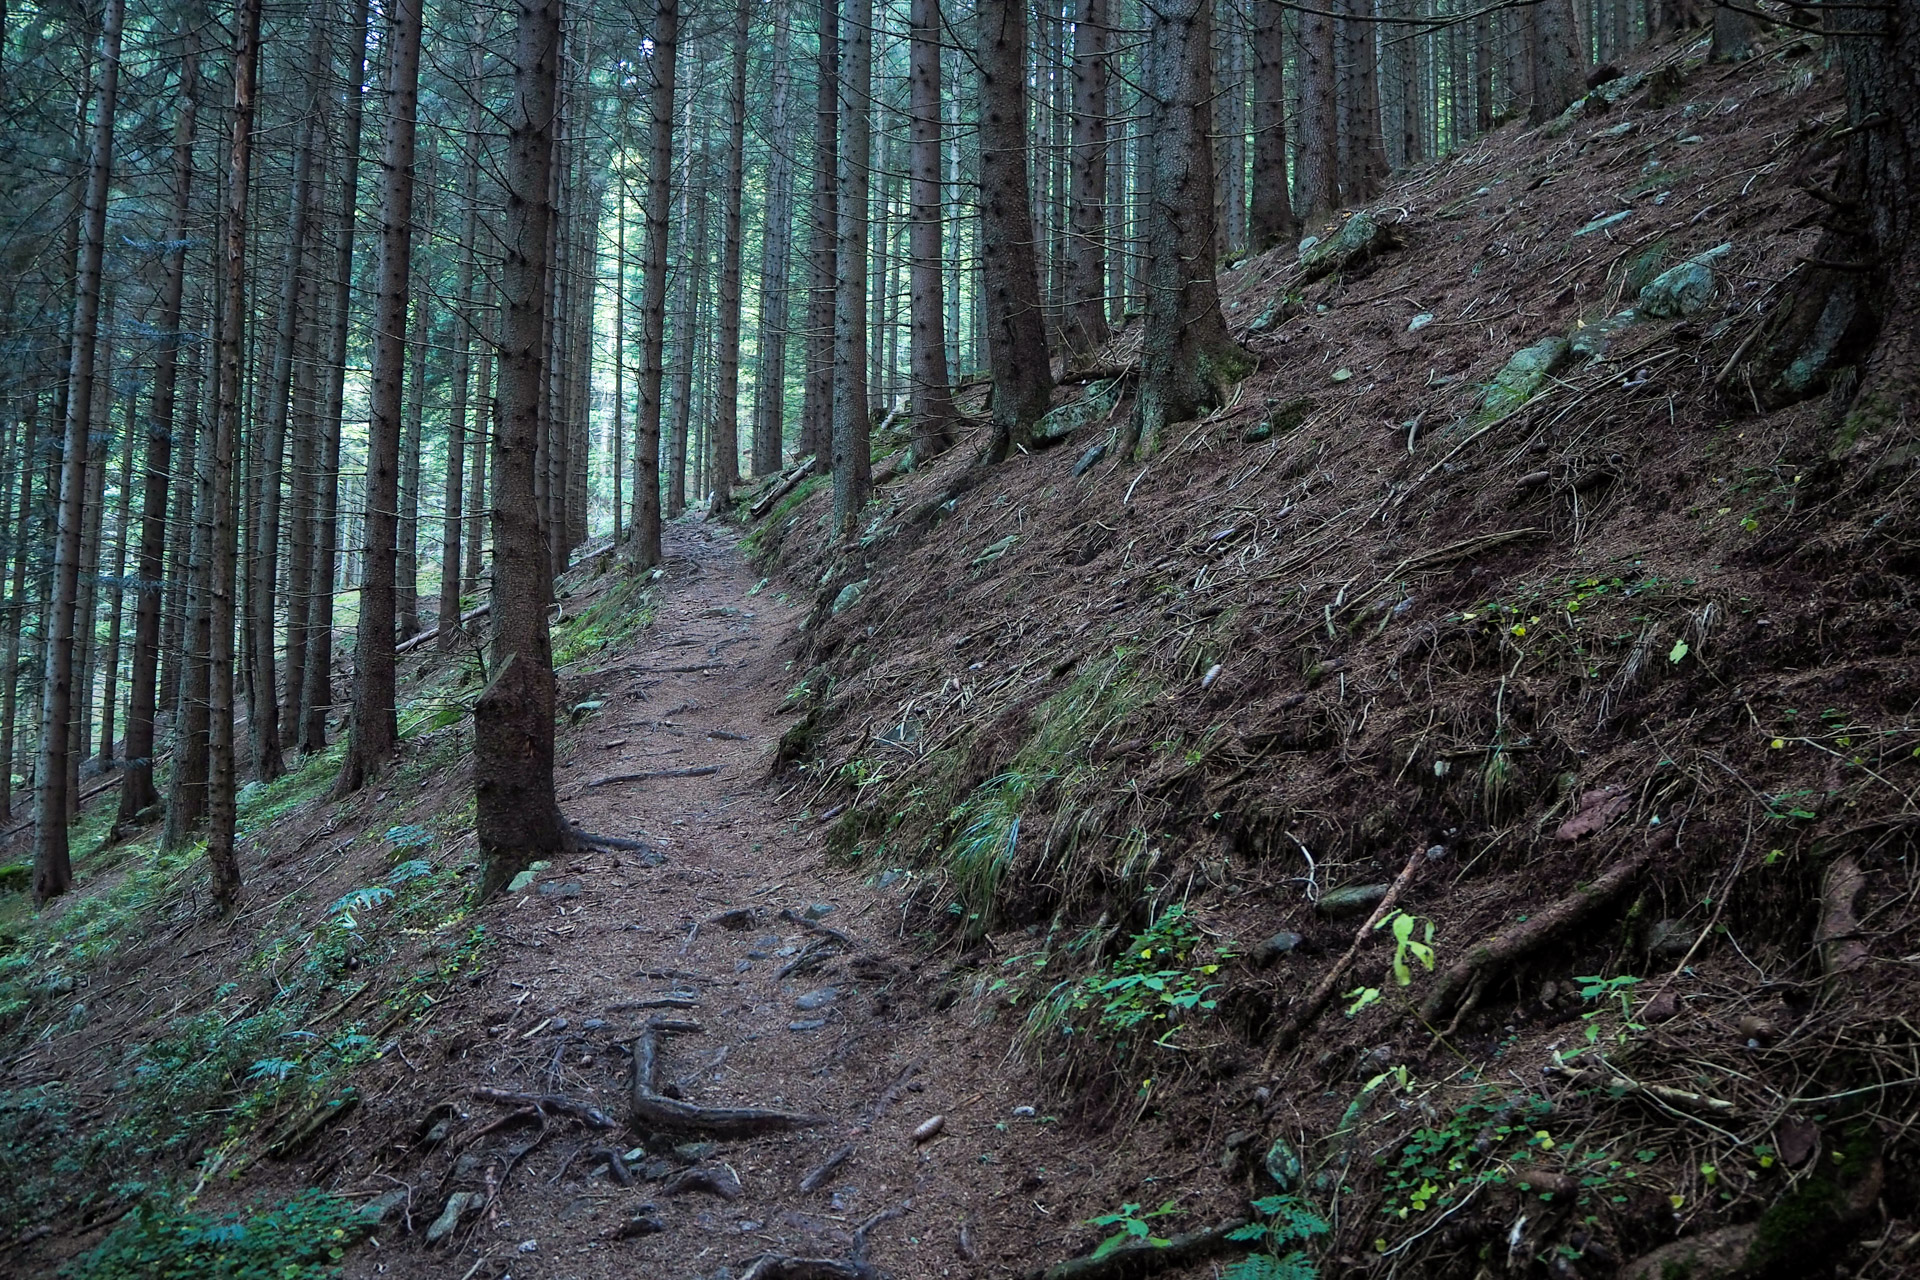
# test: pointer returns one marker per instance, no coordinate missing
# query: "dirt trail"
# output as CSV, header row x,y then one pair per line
x,y
791,1018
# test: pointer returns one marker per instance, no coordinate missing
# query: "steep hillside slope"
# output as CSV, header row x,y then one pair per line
x,y
1470,777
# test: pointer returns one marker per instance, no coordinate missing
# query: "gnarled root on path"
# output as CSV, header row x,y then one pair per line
x,y
1534,932
651,1110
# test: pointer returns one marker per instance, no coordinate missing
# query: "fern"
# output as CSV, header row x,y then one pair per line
x,y
1288,1221
1264,1266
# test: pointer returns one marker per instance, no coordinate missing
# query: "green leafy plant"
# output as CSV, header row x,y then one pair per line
x,y
1441,1162
303,1239
1133,1226
1620,988
1163,976
1404,945
1288,1222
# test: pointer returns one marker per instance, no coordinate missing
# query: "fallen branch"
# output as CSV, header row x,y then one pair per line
x,y
408,645
656,1002
825,931
1145,1259
652,1110
1303,1018
1537,929
1620,1086
585,1112
612,842
819,1175
650,775
766,501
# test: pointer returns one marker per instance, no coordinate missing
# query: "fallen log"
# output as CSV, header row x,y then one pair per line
x,y
414,642
766,501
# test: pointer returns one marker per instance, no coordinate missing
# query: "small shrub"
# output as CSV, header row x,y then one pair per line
x,y
303,1239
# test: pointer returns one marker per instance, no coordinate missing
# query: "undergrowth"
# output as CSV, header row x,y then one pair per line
x,y
303,1239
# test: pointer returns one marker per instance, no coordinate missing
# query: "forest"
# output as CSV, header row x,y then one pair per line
x,y
1198,637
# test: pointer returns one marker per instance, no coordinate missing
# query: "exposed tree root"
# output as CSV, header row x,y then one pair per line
x,y
1145,1259
722,1182
1535,931
652,1110
777,1266
817,1176
1841,949
550,1103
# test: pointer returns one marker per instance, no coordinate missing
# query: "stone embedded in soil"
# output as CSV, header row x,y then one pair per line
x,y
1282,1164
1278,945
849,596
1682,290
817,999
1350,901
1525,374
807,1024
457,1206
819,911
1670,938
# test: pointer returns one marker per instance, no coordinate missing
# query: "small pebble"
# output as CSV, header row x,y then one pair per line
x,y
529,1246
819,911
593,1024
742,966
817,999
1023,1112
1436,853
558,1024
807,1024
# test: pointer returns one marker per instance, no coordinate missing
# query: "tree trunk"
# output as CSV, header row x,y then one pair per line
x,y
1016,336
1272,221
1086,268
517,816
932,406
1732,35
1559,67
450,527
653,296
483,418
263,563
686,328
137,791
187,788
226,439
374,736
776,257
304,460
1367,157
852,460
406,573
1187,359
1319,139
116,610
17,600
726,414
816,405
1230,129
52,866
316,698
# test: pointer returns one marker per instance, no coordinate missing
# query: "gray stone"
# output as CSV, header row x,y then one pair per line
x,y
1522,377
458,1205
1278,945
1420,322
1350,901
1282,1164
1670,939
849,596
819,911
807,1024
561,889
817,999
1089,459
1360,237
381,1208
1602,223
1682,290
1280,311
1590,341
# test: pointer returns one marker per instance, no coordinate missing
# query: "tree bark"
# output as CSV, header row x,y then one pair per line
x,y
1016,334
852,460
52,865
686,327
406,572
1319,138
816,405
450,528
776,256
518,818
226,438
1086,273
726,414
653,296
932,404
374,735
1187,359
1559,66
1230,134
1272,221
1366,153
17,599
316,697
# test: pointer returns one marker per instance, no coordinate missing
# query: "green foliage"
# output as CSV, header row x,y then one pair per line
x,y
303,1239
1133,1226
1440,1163
1288,1222
609,621
1404,945
1162,978
987,825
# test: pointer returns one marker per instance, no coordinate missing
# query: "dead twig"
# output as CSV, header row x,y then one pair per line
x,y
650,775
817,1177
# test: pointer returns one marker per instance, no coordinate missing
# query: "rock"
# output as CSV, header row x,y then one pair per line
x,y
521,881
561,889
1590,341
594,1024
381,1208
1522,377
1282,1164
807,1024
1670,939
994,550
1360,237
1090,459
15,877
459,1204
1256,433
1603,222
1436,853
644,1221
817,999
1682,290
695,1152
1350,901
1278,313
819,911
1420,322
1278,945
1057,424
848,597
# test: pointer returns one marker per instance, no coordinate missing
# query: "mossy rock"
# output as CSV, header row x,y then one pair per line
x,y
15,877
1682,290
1359,238
1523,376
